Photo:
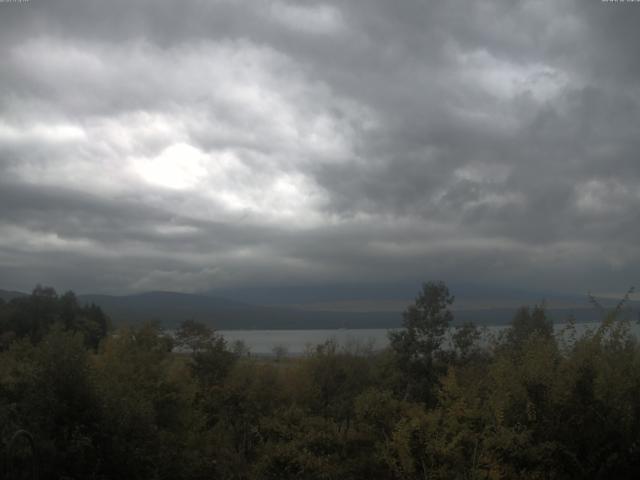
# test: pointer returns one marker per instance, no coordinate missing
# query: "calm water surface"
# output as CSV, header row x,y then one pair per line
x,y
296,342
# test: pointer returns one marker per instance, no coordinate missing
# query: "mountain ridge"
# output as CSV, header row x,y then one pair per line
x,y
170,308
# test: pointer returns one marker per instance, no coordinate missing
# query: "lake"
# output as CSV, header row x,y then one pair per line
x,y
296,342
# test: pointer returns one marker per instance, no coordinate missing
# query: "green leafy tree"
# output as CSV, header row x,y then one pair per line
x,y
465,341
213,361
418,344
47,389
147,397
193,335
34,315
527,322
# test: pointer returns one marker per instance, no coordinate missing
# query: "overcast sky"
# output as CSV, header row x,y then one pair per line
x,y
188,144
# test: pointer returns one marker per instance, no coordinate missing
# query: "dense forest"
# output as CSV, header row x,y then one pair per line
x,y
80,399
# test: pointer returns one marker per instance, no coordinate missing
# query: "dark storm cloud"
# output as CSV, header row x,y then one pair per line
x,y
188,145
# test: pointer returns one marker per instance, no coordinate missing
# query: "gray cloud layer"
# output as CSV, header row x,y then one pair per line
x,y
190,145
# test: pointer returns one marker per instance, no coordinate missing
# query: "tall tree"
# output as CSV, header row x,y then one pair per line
x,y
418,345
194,335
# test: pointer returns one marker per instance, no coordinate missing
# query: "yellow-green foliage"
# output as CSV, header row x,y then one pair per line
x,y
529,405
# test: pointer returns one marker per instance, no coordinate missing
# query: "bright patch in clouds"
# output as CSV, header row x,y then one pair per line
x,y
230,122
179,166
314,19
41,133
274,141
505,79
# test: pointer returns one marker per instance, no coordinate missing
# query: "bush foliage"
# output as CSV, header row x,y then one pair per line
x,y
134,403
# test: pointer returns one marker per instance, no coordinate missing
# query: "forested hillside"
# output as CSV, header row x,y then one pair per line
x,y
79,400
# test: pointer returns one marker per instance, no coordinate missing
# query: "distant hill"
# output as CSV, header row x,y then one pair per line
x,y
170,308
482,304
329,309
467,295
7,295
